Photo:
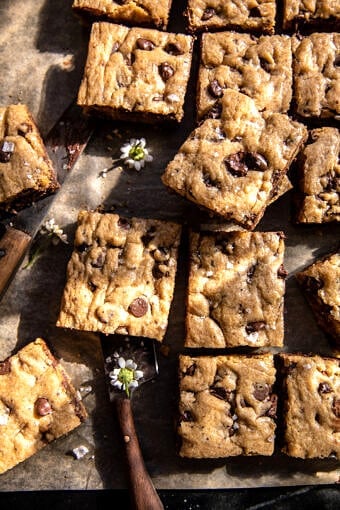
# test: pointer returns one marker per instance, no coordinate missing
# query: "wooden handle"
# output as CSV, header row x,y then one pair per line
x,y
143,492
13,246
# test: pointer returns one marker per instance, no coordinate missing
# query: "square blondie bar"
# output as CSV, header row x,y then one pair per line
x,y
311,406
318,200
319,13
227,406
26,171
136,74
235,290
38,403
212,15
121,276
259,67
235,165
316,75
320,283
142,12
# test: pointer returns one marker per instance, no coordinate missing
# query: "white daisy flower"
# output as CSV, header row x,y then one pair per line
x,y
125,377
135,153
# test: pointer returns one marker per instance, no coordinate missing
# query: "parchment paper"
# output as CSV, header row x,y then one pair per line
x,y
42,52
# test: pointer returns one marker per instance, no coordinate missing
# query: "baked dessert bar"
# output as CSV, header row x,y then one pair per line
x,y
210,15
260,67
121,276
140,12
235,290
319,180
227,406
322,13
136,74
316,75
26,172
320,283
234,165
312,406
38,403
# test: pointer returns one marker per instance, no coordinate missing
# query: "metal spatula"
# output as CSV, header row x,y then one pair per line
x,y
128,363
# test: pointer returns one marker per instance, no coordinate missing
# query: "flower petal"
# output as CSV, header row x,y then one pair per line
x,y
138,374
121,362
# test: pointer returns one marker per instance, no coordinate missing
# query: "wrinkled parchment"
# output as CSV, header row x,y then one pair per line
x,y
42,52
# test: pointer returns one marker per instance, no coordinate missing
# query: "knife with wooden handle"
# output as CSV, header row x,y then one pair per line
x,y
64,144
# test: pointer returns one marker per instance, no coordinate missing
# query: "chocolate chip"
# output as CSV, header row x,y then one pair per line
x,y
139,307
255,13
291,367
5,367
215,89
187,416
93,287
250,273
166,71
148,236
6,150
337,61
324,388
336,407
191,370
99,262
209,182
240,163
42,406
2,253
157,273
265,64
273,407
281,272
261,391
115,47
124,223
173,49
82,247
252,327
215,111
208,13
221,393
145,44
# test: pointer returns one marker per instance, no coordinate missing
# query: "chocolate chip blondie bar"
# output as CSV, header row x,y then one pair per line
x,y
320,283
321,13
140,12
136,74
312,406
319,181
260,67
38,403
121,276
316,75
234,165
210,15
235,290
26,172
227,406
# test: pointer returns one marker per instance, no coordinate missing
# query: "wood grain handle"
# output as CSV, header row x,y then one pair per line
x,y
13,246
143,492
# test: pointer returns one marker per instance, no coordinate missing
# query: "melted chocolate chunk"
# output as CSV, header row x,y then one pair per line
x,y
282,273
191,370
265,64
187,416
145,44
5,367
173,49
250,273
337,61
312,284
336,407
6,150
273,407
82,247
209,182
255,13
124,223
208,13
240,163
324,388
252,327
42,406
215,89
222,393
99,262
166,71
139,307
261,391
